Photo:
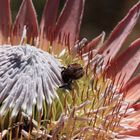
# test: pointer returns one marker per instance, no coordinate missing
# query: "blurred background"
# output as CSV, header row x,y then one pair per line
x,y
99,15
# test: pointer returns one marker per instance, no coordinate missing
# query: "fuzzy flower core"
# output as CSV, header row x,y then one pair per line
x,y
29,76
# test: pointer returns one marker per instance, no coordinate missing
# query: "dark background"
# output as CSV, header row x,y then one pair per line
x,y
99,15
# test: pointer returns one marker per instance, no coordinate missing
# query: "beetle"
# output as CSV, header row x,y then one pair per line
x,y
73,72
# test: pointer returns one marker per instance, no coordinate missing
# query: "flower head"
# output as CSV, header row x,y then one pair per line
x,y
103,104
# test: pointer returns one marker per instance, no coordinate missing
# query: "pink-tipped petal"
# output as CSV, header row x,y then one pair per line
x,y
132,90
135,132
127,137
26,16
49,17
120,33
48,23
5,21
68,24
94,43
133,120
135,106
126,64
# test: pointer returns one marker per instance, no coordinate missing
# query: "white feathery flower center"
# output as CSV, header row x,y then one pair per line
x,y
28,76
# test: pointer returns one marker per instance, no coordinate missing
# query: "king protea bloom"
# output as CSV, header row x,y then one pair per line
x,y
103,104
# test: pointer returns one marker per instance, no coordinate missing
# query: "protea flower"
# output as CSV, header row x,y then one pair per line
x,y
103,104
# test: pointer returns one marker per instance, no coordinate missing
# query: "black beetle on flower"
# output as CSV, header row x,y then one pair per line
x,y
72,72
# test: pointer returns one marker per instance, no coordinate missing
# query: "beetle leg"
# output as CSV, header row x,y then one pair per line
x,y
66,86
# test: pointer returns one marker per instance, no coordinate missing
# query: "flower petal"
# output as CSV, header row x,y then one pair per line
x,y
127,137
126,64
120,33
68,24
135,132
48,20
136,106
95,43
26,16
132,122
5,21
132,90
